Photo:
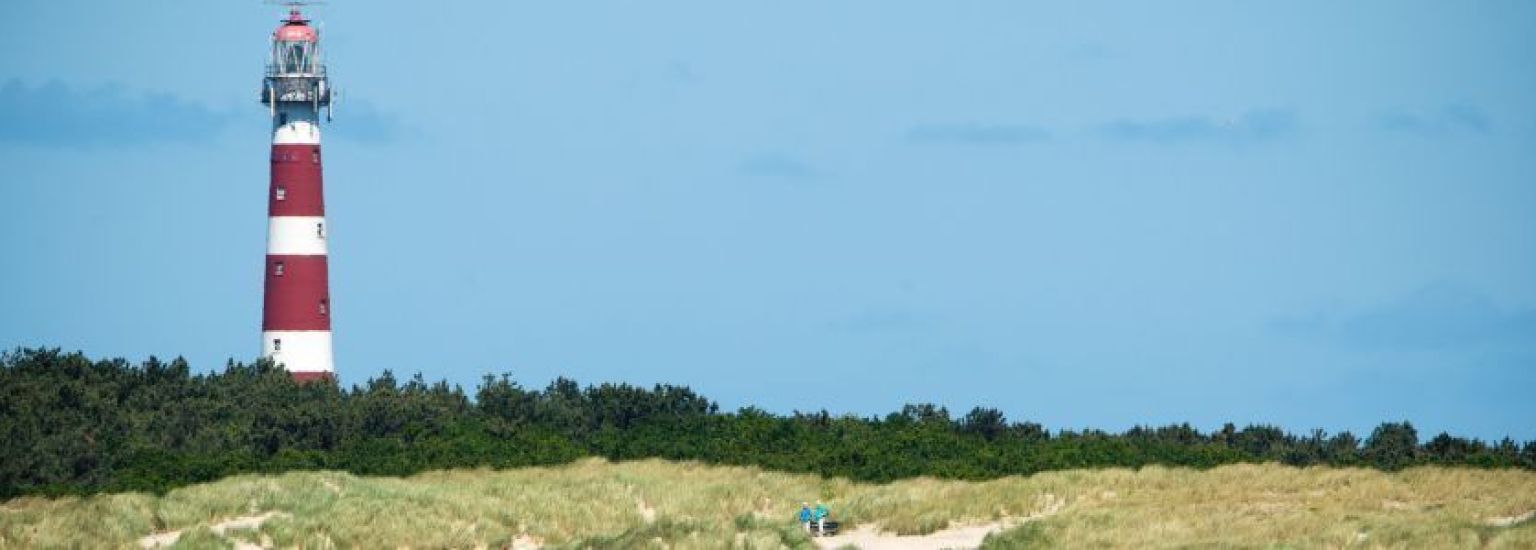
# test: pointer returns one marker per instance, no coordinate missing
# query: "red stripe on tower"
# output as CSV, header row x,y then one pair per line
x,y
296,308
296,181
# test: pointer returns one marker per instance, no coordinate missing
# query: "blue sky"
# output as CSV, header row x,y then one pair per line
x,y
1313,214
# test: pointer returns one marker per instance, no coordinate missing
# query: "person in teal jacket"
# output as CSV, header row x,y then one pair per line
x,y
805,516
820,515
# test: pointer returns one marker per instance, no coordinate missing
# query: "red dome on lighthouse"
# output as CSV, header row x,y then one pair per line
x,y
295,29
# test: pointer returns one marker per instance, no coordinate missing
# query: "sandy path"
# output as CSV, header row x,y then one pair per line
x,y
1511,520
870,538
158,540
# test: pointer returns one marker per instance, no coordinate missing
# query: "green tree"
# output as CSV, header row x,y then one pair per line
x,y
1392,446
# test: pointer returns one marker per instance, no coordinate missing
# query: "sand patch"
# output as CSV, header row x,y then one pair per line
x,y
647,512
870,538
158,540
526,542
1509,521
963,536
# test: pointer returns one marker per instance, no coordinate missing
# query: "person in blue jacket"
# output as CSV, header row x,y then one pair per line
x,y
805,516
820,514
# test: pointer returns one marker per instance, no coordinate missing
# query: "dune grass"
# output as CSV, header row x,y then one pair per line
x,y
594,503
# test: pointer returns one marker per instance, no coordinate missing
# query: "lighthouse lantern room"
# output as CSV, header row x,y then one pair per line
x,y
296,308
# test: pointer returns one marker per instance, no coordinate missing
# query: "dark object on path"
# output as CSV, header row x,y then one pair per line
x,y
831,529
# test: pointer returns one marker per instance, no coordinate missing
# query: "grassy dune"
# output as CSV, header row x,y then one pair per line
x,y
686,505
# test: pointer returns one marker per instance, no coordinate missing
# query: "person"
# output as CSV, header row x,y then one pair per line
x,y
820,514
805,516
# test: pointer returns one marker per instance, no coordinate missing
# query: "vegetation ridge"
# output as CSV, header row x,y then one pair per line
x,y
77,426
593,503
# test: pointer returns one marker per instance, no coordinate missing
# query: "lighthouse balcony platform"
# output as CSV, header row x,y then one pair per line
x,y
296,88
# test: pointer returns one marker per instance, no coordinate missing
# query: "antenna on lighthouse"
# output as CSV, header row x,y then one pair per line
x,y
295,3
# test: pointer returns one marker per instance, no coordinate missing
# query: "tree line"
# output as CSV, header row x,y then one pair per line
x,y
71,425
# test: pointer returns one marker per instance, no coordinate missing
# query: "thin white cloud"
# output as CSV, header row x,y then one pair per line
x,y
59,115
778,166
1253,126
978,134
1449,120
1443,316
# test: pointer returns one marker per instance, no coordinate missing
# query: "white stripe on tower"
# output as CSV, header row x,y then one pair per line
x,y
296,235
309,349
299,132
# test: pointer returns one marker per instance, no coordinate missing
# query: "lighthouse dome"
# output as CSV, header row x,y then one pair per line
x,y
295,29
294,33
296,48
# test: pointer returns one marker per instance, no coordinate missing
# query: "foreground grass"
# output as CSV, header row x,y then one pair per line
x,y
594,503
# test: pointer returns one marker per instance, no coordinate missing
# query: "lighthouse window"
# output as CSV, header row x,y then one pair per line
x,y
293,56
277,344
282,194
320,230
324,307
315,156
282,119
277,269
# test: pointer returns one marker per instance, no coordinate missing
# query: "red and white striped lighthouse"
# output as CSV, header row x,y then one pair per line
x,y
296,311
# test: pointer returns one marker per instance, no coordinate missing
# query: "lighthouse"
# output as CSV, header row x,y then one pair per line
x,y
296,307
